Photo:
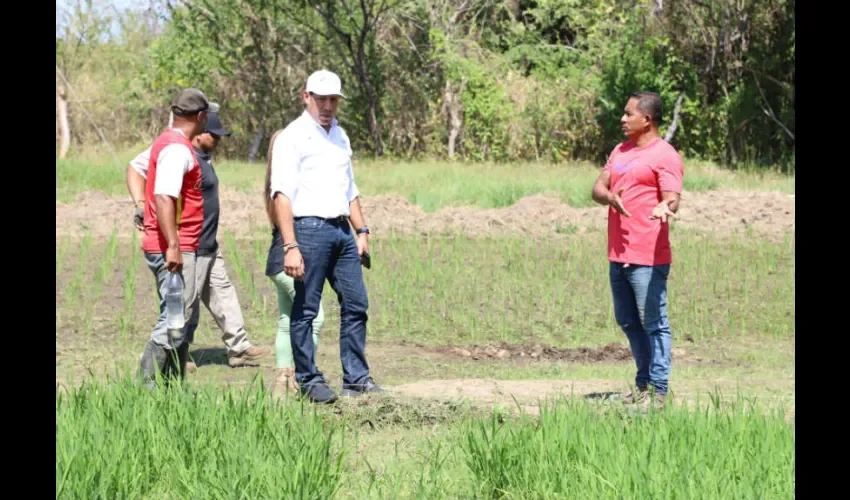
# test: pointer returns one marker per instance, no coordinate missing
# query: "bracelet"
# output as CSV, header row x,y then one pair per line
x,y
290,246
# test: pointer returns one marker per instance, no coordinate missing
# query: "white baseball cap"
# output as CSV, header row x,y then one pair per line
x,y
324,82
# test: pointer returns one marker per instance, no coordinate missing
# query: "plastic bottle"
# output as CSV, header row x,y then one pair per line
x,y
174,319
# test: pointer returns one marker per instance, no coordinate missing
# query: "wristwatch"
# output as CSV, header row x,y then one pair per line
x,y
363,230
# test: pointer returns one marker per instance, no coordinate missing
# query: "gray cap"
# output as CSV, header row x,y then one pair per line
x,y
191,101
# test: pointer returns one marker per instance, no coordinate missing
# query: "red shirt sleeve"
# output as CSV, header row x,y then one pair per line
x,y
610,160
670,172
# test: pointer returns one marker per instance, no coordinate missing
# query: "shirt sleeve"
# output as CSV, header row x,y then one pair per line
x,y
670,173
173,162
140,162
610,161
353,191
285,157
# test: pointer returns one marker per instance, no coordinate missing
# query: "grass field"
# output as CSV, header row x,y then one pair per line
x,y
499,351
430,185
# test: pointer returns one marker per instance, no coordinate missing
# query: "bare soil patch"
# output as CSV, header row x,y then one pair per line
x,y
768,214
610,353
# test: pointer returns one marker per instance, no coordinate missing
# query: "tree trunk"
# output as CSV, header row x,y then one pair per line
x,y
372,101
675,123
454,112
64,127
255,146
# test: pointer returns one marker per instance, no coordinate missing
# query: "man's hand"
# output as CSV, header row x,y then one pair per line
x,y
362,244
174,260
615,200
662,211
293,264
139,218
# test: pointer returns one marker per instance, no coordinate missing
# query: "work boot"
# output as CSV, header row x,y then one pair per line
x,y
154,360
355,390
319,393
636,396
286,382
657,401
248,356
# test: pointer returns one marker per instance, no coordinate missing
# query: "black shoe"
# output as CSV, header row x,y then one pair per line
x,y
319,393
354,390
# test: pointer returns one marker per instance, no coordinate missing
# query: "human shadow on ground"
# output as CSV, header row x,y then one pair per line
x,y
209,356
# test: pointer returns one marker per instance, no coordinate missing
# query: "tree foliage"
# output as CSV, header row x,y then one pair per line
x,y
498,80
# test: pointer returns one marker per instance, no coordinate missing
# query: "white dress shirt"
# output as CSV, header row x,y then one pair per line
x,y
312,168
173,162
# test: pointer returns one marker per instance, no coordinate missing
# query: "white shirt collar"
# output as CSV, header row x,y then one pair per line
x,y
309,117
179,131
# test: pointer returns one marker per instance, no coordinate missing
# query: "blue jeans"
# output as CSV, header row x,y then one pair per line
x,y
640,307
329,252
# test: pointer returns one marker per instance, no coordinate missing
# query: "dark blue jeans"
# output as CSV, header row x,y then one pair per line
x,y
640,307
329,252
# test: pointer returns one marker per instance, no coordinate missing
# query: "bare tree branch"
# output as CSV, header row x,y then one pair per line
x,y
769,110
674,125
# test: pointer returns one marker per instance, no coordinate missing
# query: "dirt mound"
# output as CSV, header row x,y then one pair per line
x,y
611,353
503,350
767,214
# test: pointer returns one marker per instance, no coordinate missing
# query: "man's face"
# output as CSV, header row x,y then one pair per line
x,y
322,107
208,142
633,121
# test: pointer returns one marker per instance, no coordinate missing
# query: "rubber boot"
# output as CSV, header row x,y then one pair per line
x,y
183,359
154,361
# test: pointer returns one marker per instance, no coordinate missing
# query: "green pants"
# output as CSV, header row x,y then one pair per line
x,y
285,296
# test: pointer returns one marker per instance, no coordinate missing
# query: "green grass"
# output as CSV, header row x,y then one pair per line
x,y
576,451
460,290
731,294
118,440
432,185
128,292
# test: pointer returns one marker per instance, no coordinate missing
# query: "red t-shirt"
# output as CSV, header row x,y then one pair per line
x,y
643,173
190,203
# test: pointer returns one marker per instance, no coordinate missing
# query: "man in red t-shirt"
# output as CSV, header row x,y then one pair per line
x,y
642,183
173,219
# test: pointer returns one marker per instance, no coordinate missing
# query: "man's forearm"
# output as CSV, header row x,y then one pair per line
x,y
600,195
283,218
166,215
672,198
601,192
135,185
356,217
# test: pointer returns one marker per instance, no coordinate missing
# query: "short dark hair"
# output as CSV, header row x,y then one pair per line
x,y
649,103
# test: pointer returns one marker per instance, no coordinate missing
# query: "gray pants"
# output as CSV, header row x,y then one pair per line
x,y
194,273
212,286
219,297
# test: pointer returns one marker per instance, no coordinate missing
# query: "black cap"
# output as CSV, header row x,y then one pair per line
x,y
191,101
214,126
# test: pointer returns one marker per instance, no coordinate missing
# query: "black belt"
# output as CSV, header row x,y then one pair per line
x,y
339,219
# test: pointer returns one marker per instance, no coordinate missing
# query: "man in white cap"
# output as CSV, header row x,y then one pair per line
x,y
314,198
